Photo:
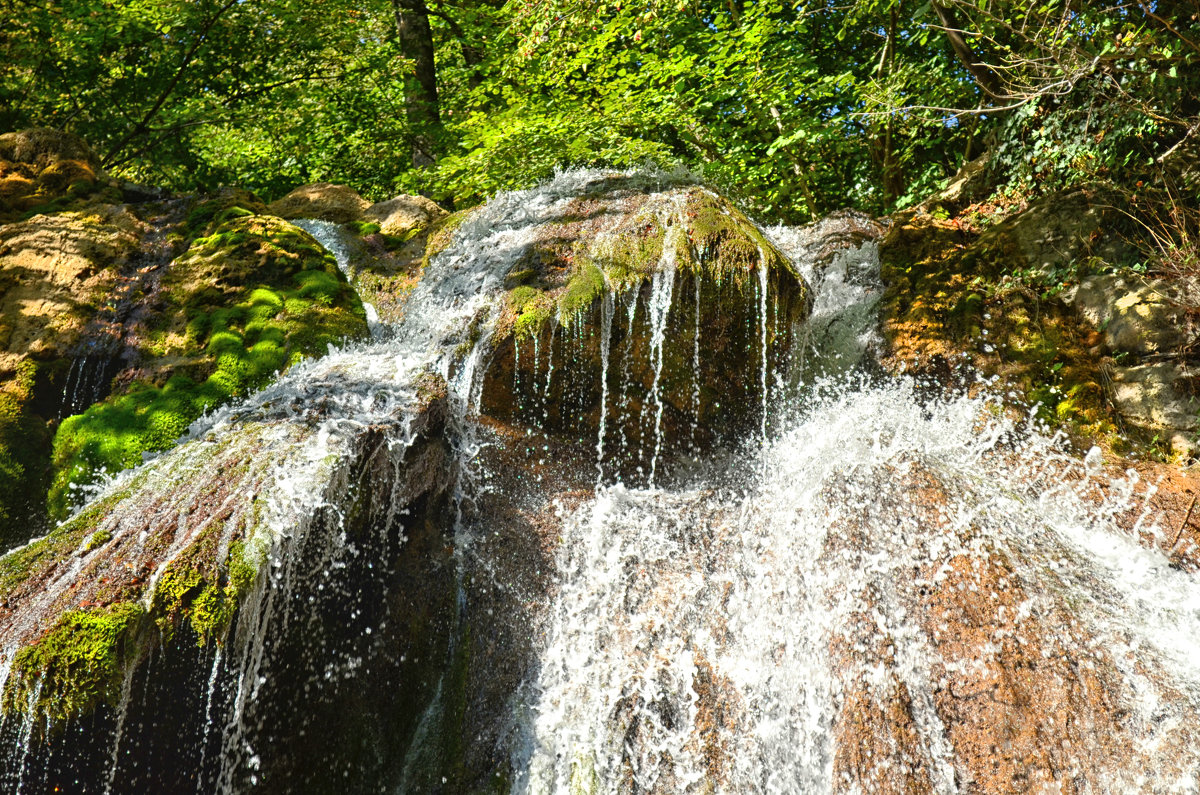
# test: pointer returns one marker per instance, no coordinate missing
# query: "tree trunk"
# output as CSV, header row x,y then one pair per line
x,y
420,89
983,75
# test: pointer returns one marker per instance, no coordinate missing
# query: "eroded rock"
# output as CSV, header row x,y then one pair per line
x,y
404,216
1135,315
322,200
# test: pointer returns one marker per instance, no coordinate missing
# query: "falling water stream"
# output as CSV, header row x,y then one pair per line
x,y
848,600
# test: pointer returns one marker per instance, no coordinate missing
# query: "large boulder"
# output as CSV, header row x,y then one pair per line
x,y
647,324
61,278
99,319
321,200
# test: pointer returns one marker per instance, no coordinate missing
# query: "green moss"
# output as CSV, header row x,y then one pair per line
x,y
535,312
363,228
207,600
97,540
585,286
24,454
634,253
724,241
77,665
249,300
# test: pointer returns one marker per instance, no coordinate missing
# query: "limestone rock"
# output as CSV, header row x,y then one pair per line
x,y
1155,396
1136,315
39,165
967,186
326,201
404,216
56,272
1054,233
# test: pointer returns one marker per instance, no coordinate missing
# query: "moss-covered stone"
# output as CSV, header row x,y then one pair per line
x,y
79,663
955,298
242,304
548,370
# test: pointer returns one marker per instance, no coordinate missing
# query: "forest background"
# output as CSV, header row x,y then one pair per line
x,y
794,109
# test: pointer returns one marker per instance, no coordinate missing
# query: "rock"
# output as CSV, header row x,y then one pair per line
x,y
1136,315
235,309
1157,397
1055,233
198,523
404,216
322,200
56,271
40,165
667,288
966,187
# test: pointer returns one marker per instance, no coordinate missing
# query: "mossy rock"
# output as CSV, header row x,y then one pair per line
x,y
80,663
240,305
212,211
42,170
958,304
681,376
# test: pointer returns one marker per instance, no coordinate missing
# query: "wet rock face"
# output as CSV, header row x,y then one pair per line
x,y
645,327
1023,697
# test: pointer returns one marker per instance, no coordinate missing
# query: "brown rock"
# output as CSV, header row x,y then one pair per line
x,y
404,216
38,165
323,200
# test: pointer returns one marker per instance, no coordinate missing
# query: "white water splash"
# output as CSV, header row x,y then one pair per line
x,y
693,645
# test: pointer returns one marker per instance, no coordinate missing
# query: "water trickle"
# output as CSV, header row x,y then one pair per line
x,y
763,317
206,733
25,737
661,294
607,310
119,731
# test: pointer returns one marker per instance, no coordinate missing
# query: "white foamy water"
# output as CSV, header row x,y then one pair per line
x,y
722,637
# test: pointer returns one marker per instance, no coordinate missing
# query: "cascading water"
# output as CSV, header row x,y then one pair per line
x,y
465,582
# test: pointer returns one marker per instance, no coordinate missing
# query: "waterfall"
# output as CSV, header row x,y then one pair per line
x,y
571,578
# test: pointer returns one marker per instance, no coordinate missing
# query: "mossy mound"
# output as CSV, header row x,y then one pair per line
x,y
668,287
238,306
